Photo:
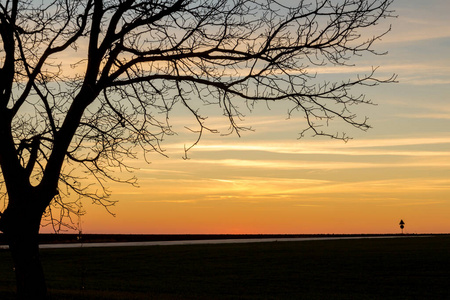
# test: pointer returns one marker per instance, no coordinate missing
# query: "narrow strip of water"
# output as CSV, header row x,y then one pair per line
x,y
200,242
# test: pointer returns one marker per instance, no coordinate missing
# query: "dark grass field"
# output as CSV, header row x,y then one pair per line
x,y
382,268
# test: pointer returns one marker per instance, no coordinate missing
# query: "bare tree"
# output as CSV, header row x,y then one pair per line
x,y
85,82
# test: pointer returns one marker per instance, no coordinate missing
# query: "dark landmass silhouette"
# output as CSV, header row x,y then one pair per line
x,y
61,238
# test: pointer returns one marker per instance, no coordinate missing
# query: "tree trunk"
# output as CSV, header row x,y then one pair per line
x,y
21,227
27,265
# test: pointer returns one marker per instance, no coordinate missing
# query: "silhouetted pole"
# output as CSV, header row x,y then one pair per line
x,y
402,225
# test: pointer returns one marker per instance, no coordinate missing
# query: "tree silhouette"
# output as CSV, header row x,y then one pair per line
x,y
85,82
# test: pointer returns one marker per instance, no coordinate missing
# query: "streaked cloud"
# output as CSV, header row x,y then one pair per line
x,y
436,116
419,20
317,165
166,201
355,147
413,203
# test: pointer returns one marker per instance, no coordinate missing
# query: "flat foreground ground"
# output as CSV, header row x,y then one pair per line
x,y
391,268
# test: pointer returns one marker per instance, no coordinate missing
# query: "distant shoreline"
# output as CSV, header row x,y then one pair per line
x,y
63,238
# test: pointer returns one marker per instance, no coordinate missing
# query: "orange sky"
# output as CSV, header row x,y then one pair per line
x,y
267,181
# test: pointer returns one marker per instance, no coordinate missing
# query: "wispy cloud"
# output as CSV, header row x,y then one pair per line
x,y
318,165
425,80
166,201
300,192
380,191
419,20
436,116
366,147
273,164
413,203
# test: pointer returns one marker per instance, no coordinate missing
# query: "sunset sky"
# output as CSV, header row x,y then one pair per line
x,y
269,181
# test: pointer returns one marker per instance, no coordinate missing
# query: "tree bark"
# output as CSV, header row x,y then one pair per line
x,y
30,278
21,228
